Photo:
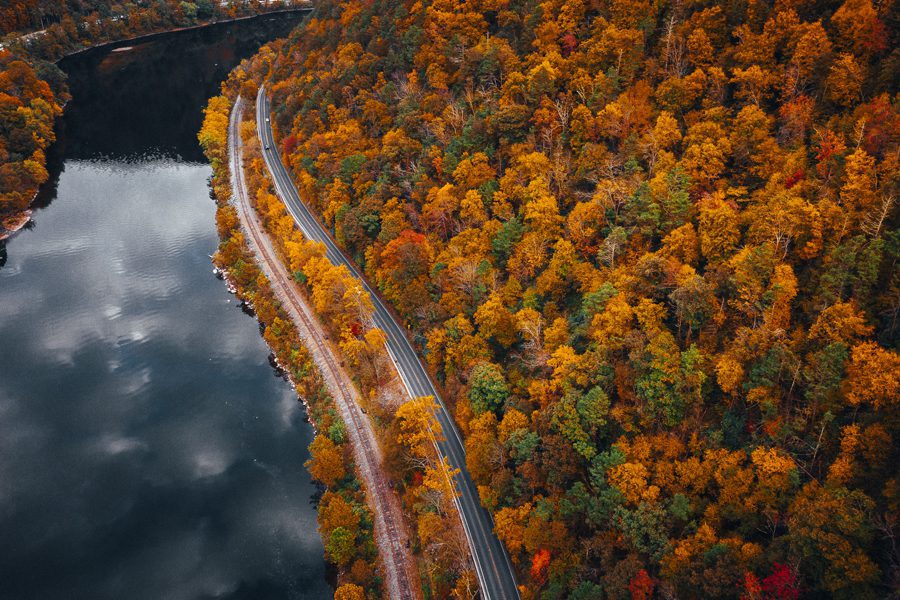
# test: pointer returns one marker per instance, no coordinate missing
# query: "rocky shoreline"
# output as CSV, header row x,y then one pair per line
x,y
10,224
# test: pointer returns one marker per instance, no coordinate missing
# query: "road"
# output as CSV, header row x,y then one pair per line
x,y
390,530
494,570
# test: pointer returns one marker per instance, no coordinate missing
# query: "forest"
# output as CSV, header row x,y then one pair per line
x,y
140,16
31,98
649,251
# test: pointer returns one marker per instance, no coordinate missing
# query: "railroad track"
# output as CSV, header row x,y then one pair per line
x,y
385,506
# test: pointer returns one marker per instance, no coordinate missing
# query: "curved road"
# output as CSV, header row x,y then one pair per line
x,y
495,573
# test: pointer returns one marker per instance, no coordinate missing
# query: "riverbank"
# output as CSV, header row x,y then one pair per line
x,y
149,37
13,223
408,422
54,43
349,541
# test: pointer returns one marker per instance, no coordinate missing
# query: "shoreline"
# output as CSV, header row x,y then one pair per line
x,y
234,289
149,37
14,222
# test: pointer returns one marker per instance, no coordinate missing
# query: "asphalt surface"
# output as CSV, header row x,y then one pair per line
x,y
495,572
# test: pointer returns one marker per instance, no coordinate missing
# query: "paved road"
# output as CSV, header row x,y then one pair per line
x,y
495,573
391,536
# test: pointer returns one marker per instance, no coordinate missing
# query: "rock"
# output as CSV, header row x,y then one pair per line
x,y
13,223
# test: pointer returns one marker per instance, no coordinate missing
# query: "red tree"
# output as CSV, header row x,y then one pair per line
x,y
641,586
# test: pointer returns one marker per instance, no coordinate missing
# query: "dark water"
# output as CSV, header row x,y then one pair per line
x,y
146,448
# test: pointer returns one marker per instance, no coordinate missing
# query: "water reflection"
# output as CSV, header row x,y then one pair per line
x,y
146,450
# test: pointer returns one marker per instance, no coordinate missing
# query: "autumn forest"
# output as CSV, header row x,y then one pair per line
x,y
649,251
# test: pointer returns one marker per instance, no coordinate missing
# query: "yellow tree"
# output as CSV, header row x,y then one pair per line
x,y
829,527
349,591
495,321
859,192
334,512
437,489
873,377
845,80
719,233
326,463
841,322
419,428
483,454
509,523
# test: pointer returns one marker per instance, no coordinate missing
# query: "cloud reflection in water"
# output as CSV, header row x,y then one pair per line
x,y
146,450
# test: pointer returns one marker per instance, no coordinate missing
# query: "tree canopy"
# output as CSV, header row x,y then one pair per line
x,y
649,250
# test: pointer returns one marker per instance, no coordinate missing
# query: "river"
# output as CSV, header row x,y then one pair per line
x,y
147,447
